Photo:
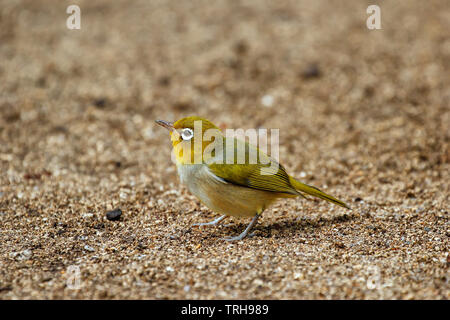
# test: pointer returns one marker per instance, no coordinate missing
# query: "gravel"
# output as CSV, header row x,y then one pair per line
x,y
114,215
363,114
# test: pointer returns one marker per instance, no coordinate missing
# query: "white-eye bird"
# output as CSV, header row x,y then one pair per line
x,y
239,188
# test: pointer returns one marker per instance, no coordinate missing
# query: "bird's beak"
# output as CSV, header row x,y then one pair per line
x,y
166,124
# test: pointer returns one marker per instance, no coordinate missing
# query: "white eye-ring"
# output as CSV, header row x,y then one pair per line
x,y
187,134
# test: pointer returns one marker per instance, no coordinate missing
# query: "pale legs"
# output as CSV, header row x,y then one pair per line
x,y
245,232
211,223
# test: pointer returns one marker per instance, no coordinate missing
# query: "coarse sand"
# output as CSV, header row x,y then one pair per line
x,y
363,114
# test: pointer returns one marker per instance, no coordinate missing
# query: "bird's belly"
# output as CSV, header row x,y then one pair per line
x,y
223,197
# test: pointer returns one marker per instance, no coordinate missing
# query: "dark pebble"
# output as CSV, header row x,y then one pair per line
x,y
358,199
41,82
31,176
411,195
369,91
100,102
6,288
114,215
311,71
339,245
241,47
164,81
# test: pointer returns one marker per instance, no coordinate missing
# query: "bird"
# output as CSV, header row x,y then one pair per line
x,y
208,164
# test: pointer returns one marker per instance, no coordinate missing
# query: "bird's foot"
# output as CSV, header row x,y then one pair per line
x,y
211,223
245,232
239,237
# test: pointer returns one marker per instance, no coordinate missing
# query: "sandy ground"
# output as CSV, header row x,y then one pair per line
x,y
362,114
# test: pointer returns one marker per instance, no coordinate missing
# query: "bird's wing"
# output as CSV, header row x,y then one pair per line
x,y
266,174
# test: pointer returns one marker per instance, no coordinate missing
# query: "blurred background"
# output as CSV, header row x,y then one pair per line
x,y
362,113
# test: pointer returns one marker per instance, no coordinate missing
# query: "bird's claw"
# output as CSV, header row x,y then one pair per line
x,y
239,237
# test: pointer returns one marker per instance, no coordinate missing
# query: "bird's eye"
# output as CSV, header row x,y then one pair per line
x,y
187,134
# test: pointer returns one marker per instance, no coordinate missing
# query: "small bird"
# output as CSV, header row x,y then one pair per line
x,y
231,186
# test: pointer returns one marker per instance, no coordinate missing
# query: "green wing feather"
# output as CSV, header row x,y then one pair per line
x,y
266,174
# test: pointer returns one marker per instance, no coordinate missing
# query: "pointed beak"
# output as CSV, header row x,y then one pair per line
x,y
166,124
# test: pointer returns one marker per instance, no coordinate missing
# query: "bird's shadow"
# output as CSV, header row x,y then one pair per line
x,y
287,227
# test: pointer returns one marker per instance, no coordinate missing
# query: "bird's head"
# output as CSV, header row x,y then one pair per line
x,y
190,137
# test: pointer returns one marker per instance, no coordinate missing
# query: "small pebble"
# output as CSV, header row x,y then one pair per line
x,y
100,102
311,71
89,248
23,255
114,215
267,100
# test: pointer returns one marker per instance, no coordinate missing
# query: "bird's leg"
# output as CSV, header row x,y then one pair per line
x,y
245,232
211,223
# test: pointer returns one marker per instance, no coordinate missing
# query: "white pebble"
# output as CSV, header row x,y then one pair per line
x,y
89,248
267,100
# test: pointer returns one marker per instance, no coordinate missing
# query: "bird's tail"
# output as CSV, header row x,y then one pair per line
x,y
315,192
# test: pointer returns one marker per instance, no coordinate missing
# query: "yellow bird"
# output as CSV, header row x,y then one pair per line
x,y
222,172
